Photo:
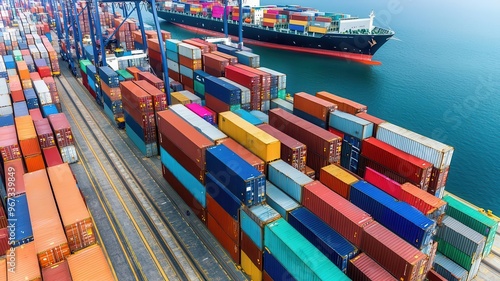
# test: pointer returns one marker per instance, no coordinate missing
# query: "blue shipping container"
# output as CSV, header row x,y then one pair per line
x,y
115,106
185,178
243,180
49,109
227,49
20,109
200,75
6,120
9,61
230,203
149,150
188,72
296,27
350,151
19,220
279,200
316,121
264,118
253,220
335,247
247,116
31,98
288,179
275,269
171,45
109,76
173,56
399,217
223,91
351,124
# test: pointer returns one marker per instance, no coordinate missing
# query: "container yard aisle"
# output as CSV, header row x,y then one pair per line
x,y
176,234
490,267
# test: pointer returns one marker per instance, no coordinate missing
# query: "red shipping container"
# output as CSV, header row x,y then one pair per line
x,y
251,250
190,63
113,93
4,242
438,179
292,151
365,162
34,163
154,55
26,133
57,272
336,211
215,104
44,71
139,99
243,77
44,133
229,245
211,46
62,129
318,141
52,156
35,114
413,168
432,275
313,106
184,136
215,62
432,256
343,104
35,76
159,97
363,267
265,80
244,153
134,71
185,195
384,183
393,253
14,181
230,226
16,91
375,120
426,203
9,146
181,157
204,48
153,44
187,82
232,59
155,81
310,173
174,75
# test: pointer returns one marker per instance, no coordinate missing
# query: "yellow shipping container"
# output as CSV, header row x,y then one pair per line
x,y
179,98
337,179
251,269
260,143
270,20
298,22
317,29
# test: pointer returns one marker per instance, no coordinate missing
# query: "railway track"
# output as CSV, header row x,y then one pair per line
x,y
192,266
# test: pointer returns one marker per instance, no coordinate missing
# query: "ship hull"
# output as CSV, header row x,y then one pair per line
x,y
348,46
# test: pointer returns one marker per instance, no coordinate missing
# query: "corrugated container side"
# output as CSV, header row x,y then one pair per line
x,y
337,212
249,267
350,124
398,257
251,250
432,275
51,243
316,107
274,268
279,200
253,220
449,269
211,132
343,104
26,266
433,151
44,132
14,180
461,236
335,247
363,267
26,134
57,272
62,130
429,205
227,200
383,182
23,232
34,162
288,179
52,156
375,120
337,179
244,153
230,225
90,264
181,157
297,255
229,245
9,145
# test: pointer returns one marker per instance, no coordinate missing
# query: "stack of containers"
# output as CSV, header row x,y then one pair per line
x,y
249,80
278,83
298,22
182,154
28,141
214,64
245,93
184,97
343,104
154,54
199,83
173,58
78,224
51,84
152,79
435,152
288,179
5,101
292,151
124,34
110,85
64,137
395,164
313,109
140,123
353,130
221,96
50,242
189,60
47,142
279,200
45,98
265,86
431,206
362,267
447,269
323,147
159,97
254,139
54,62
338,179
31,99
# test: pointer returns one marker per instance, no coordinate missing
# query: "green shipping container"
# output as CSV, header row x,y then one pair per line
x,y
473,219
297,254
83,65
282,94
455,254
199,88
18,56
125,74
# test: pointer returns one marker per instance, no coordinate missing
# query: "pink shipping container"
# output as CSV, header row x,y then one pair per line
x,y
384,183
44,133
397,256
36,114
364,268
336,211
14,181
62,130
9,146
205,113
57,272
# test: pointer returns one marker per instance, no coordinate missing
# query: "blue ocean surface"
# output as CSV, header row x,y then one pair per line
x,y
439,77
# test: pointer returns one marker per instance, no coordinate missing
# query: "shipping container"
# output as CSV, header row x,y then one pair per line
x,y
62,130
3,268
364,268
25,266
50,242
90,264
297,255
147,142
232,248
159,97
208,130
189,51
337,179
431,206
430,150
248,117
26,133
57,272
42,92
224,91
244,181
351,124
52,156
232,59
279,200
151,78
343,104
6,120
432,275
337,212
314,106
394,254
68,154
474,219
462,237
274,269
254,219
109,76
399,217
77,222
249,267
245,154
20,108
230,225
44,133
14,181
254,139
384,183
335,247
254,254
264,118
288,179
31,99
416,170
23,232
449,269
248,58
203,112
49,109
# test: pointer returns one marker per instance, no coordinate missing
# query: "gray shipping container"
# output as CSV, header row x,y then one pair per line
x,y
199,123
279,200
449,269
283,104
351,124
288,179
462,237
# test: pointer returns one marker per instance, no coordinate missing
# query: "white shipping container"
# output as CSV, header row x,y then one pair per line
x,y
281,76
4,88
5,101
68,154
245,92
430,150
188,72
207,129
11,72
6,110
173,65
189,51
42,92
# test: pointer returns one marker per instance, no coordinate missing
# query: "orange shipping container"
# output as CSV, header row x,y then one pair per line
x,y
26,133
34,163
314,106
26,265
90,264
338,179
75,216
51,244
153,44
23,71
113,93
343,104
3,269
134,71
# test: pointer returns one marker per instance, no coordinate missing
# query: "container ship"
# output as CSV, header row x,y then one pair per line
x,y
286,27
268,174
